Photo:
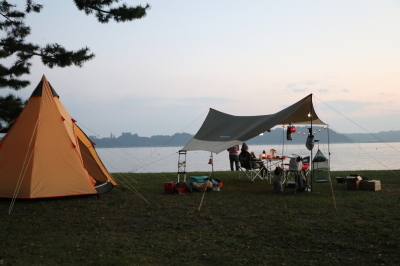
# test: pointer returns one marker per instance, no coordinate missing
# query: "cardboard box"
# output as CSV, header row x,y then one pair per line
x,y
370,185
353,182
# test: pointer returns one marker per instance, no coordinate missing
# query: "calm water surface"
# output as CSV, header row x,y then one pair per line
x,y
360,156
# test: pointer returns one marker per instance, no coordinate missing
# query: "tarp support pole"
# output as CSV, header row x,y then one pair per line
x,y
283,139
311,132
329,165
212,165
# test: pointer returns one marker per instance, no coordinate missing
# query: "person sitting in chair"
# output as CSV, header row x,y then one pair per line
x,y
249,160
245,157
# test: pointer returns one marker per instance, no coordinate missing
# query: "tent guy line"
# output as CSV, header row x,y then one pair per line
x,y
372,134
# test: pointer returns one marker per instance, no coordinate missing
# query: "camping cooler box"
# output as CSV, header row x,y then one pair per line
x,y
176,188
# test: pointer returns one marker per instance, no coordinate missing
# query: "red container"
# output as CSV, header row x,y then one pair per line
x,y
176,188
169,187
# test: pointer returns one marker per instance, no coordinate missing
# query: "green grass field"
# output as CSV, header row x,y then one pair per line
x,y
244,223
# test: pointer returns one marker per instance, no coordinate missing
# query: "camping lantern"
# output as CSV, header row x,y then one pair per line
x,y
210,161
292,129
263,155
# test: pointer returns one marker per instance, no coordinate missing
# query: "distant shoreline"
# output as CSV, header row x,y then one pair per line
x,y
181,146
275,137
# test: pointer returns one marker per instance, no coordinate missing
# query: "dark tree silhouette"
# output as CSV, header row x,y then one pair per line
x,y
14,106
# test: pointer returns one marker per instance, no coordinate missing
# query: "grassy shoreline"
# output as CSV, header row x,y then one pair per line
x,y
244,223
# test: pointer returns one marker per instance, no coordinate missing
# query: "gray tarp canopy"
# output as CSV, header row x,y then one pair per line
x,y
221,131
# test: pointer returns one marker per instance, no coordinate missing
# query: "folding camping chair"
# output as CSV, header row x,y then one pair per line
x,y
250,169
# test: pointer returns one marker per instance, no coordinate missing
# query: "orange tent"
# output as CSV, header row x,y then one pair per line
x,y
45,154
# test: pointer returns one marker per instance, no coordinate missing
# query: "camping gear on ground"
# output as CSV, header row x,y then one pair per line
x,y
217,184
216,188
370,185
341,179
197,179
296,180
177,188
204,186
45,154
195,183
353,181
320,168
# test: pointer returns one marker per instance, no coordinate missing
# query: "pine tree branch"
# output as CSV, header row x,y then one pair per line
x,y
119,14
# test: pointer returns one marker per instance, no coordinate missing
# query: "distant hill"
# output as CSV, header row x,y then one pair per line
x,y
133,140
276,136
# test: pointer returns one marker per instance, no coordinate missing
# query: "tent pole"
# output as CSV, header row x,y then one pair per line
x,y
283,138
329,152
212,165
311,156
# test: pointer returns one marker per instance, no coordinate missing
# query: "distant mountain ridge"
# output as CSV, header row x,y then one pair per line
x,y
276,136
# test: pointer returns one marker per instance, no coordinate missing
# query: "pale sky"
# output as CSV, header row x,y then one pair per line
x,y
161,74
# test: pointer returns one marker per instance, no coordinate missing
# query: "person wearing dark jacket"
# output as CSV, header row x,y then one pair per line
x,y
249,161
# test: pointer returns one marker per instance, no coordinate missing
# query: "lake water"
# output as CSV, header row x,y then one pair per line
x,y
359,156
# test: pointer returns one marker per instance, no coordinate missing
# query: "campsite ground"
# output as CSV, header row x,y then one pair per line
x,y
244,223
